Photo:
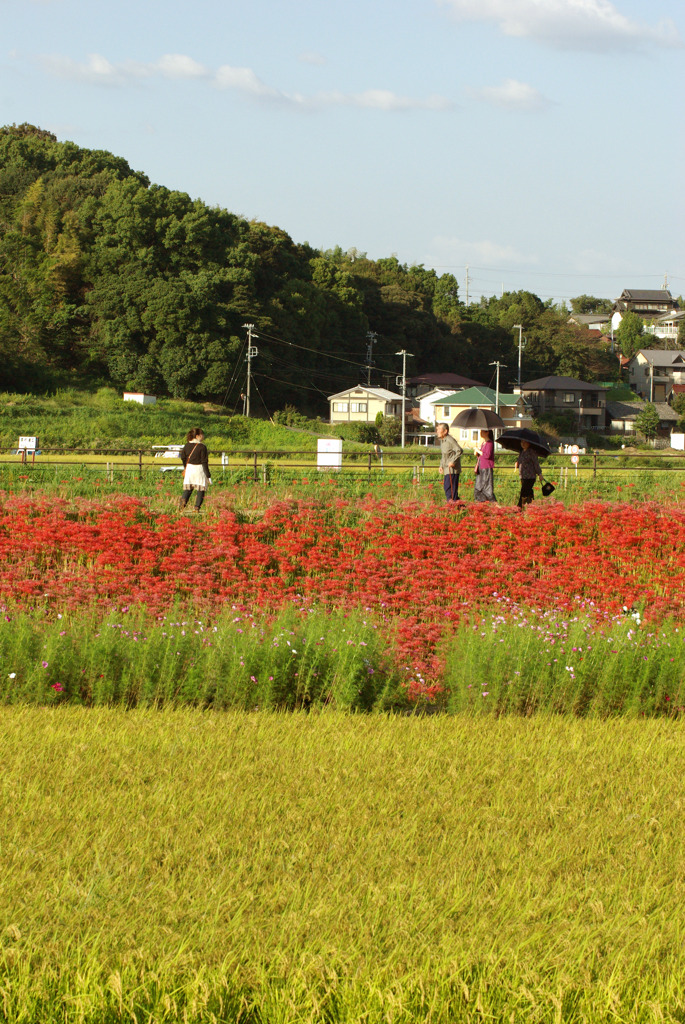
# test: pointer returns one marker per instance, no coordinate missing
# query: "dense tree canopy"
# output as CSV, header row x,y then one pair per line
x,y
106,278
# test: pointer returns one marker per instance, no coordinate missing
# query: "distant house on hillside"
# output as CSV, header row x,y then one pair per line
x,y
512,409
419,386
361,404
426,402
593,321
666,326
652,372
559,395
650,304
621,417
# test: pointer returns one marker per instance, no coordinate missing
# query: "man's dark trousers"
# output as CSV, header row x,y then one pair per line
x,y
450,481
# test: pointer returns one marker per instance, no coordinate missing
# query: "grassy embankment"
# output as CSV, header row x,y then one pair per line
x,y
103,422
213,868
531,663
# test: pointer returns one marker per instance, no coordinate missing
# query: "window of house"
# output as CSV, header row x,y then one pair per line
x,y
445,410
464,435
339,406
569,397
475,434
359,406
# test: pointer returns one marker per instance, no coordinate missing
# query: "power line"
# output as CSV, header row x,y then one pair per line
x,y
323,355
544,273
289,384
234,376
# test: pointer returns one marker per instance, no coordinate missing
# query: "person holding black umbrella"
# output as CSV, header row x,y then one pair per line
x,y
483,489
450,461
528,468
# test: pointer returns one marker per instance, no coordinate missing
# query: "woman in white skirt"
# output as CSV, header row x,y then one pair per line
x,y
195,468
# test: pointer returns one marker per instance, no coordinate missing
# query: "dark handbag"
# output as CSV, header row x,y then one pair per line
x,y
547,488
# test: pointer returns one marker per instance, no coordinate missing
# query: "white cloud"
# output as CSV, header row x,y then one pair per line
x,y
311,57
177,65
381,99
245,80
595,25
99,70
449,250
512,95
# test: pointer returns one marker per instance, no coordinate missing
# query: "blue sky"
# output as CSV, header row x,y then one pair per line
x,y
538,141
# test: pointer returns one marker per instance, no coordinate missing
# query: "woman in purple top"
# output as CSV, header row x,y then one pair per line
x,y
483,488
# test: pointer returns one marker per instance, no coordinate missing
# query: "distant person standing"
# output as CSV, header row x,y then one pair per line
x,y
528,468
450,461
196,476
483,487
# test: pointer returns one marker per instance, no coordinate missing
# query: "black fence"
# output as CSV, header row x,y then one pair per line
x,y
257,464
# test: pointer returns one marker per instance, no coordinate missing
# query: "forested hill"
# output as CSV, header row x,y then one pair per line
x,y
107,278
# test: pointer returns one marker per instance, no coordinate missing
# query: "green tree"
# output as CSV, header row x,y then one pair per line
x,y
678,404
630,334
446,303
590,304
681,334
647,421
390,431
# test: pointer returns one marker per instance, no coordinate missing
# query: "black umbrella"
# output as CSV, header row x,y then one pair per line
x,y
511,439
477,419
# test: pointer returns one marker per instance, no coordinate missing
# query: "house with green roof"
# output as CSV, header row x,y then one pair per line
x,y
513,409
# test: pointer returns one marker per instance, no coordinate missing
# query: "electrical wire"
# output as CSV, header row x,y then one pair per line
x,y
318,352
234,375
321,374
263,402
289,384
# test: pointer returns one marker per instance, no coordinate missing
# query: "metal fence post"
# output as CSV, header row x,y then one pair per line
x,y
594,463
140,464
255,477
370,456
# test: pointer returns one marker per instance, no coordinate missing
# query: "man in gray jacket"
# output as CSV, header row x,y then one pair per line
x,y
450,461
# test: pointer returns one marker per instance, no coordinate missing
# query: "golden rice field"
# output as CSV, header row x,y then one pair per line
x,y
275,868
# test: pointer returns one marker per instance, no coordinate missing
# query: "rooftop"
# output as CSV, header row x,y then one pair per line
x,y
560,384
482,395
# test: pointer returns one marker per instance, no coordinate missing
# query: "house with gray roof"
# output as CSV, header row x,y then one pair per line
x,y
667,325
593,321
621,417
418,387
362,403
652,372
647,303
562,395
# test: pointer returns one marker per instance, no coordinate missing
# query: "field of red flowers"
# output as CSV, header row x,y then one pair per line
x,y
411,561
419,572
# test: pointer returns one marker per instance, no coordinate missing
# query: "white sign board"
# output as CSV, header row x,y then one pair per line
x,y
574,460
678,442
574,449
28,444
329,453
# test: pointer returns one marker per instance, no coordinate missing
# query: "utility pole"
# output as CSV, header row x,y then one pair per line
x,y
520,330
403,379
467,284
498,365
251,353
370,339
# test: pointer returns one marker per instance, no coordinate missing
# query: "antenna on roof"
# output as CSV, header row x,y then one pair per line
x,y
666,281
